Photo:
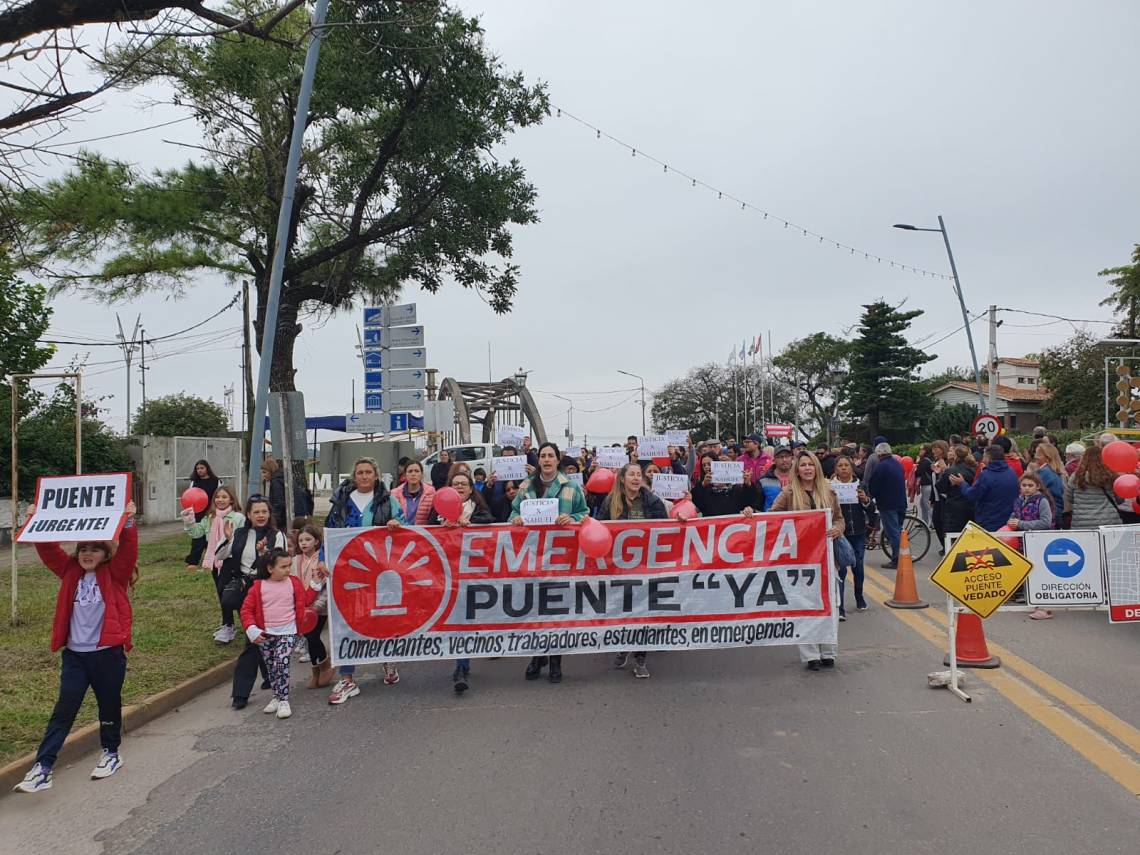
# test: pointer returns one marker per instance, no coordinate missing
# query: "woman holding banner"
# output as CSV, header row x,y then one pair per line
x,y
93,626
808,490
630,499
548,482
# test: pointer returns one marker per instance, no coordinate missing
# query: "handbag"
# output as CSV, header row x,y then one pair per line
x,y
233,593
844,552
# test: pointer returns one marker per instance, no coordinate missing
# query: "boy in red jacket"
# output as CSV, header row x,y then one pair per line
x,y
93,626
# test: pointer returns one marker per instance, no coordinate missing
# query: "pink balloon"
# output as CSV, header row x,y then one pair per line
x,y
594,538
307,622
1119,456
1127,486
684,510
602,481
196,498
448,504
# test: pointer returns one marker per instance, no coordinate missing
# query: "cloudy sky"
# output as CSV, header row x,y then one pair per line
x,y
1016,121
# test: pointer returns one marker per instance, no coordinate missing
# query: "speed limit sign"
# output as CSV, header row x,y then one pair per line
x,y
987,425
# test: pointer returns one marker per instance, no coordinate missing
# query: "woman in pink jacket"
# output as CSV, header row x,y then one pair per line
x,y
415,497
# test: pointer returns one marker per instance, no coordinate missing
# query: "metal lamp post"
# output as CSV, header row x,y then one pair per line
x,y
641,379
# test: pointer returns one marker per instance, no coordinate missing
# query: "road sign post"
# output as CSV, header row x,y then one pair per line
x,y
1067,568
987,425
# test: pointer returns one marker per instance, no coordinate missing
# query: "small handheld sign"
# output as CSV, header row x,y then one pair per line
x,y
78,507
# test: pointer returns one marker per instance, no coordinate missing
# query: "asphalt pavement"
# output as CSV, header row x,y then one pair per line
x,y
720,751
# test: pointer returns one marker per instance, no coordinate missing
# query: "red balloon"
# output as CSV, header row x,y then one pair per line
x,y
1119,456
684,510
1011,542
1126,486
662,462
1135,507
307,621
907,465
195,498
594,538
448,504
602,481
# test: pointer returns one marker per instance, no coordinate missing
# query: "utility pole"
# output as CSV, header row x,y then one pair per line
x,y
640,379
993,361
432,392
247,406
142,364
128,348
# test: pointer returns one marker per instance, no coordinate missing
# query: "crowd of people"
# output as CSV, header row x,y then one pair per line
x,y
271,572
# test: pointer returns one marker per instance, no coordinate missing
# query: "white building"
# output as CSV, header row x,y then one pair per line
x,y
1019,394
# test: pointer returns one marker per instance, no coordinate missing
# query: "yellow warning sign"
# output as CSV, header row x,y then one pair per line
x,y
980,571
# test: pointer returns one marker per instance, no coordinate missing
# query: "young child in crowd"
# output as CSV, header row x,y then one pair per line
x,y
270,614
225,508
309,567
1032,511
93,626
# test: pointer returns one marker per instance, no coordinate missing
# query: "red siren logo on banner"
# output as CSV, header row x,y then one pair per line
x,y
389,584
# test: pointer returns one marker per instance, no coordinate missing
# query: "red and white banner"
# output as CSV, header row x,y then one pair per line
x,y
778,431
500,590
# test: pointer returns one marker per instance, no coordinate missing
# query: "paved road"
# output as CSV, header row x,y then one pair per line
x,y
721,751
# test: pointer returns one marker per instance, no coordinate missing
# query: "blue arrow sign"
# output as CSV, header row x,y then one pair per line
x,y
1064,558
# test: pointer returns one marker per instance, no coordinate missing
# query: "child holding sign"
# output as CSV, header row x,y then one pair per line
x,y
93,626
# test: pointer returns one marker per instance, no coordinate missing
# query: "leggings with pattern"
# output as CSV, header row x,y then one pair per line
x,y
276,651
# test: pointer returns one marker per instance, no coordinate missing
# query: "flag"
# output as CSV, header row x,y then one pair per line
x,y
732,356
758,345
742,349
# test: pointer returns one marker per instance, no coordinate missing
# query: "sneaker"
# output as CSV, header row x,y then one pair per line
x,y
108,765
239,703
271,707
37,779
284,710
640,671
621,660
344,689
265,684
391,675
224,634
827,663
889,566
459,681
842,615
1040,614
304,657
861,606
301,648
813,665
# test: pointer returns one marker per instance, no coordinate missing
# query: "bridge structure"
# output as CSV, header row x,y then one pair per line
x,y
488,405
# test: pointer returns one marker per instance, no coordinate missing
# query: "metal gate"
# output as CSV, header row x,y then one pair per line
x,y
223,454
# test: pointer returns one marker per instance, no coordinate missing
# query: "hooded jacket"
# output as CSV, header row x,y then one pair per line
x,y
652,506
343,513
993,493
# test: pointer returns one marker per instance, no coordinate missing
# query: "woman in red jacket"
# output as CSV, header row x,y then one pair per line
x,y
93,626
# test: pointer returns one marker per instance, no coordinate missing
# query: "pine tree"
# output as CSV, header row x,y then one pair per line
x,y
883,386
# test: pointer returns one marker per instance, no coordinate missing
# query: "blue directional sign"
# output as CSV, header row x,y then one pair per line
x,y
373,402
373,381
371,361
372,338
1064,557
372,316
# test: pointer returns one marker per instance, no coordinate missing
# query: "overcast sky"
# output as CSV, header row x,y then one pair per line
x,y
1015,120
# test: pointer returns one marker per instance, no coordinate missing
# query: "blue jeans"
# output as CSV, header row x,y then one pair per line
x,y
101,670
892,531
859,544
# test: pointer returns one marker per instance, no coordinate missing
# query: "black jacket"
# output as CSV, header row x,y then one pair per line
x,y
720,501
208,486
480,516
302,499
957,510
857,516
651,504
231,567
439,474
338,512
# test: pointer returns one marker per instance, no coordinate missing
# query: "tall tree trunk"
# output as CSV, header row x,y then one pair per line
x,y
282,372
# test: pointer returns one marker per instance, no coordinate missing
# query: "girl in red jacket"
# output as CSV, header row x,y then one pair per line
x,y
93,626
270,614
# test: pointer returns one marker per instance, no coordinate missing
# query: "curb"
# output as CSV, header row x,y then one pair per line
x,y
85,739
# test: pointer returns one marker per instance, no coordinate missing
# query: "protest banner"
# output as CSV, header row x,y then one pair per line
x,y
652,446
509,467
418,593
538,511
848,494
669,486
511,435
679,438
612,458
727,472
78,507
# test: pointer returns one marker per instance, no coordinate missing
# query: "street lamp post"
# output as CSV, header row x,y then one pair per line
x,y
570,422
642,380
961,302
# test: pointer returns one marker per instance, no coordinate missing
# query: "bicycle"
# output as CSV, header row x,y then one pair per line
x,y
918,532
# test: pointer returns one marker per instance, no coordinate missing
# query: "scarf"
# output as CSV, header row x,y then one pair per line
x,y
217,535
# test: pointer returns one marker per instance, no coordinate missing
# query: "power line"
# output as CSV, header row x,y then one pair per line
x,y
746,205
114,136
1057,317
149,340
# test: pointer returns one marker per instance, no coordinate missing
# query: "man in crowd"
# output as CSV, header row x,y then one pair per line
x,y
777,477
754,463
531,455
886,484
993,492
1074,451
1012,459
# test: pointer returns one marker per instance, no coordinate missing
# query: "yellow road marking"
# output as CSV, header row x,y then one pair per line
x,y
1090,709
1087,742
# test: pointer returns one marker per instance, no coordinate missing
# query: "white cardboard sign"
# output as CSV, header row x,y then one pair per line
x,y
670,486
511,435
78,507
848,494
539,511
727,472
612,458
679,438
655,445
575,478
509,467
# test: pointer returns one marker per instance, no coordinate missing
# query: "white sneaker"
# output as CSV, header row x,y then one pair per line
x,y
224,634
344,689
37,779
284,710
108,765
272,706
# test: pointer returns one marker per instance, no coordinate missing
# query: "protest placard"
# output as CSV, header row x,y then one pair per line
x,y
669,486
848,494
574,451
652,446
575,477
78,507
485,591
539,511
679,438
509,467
511,435
612,458
727,472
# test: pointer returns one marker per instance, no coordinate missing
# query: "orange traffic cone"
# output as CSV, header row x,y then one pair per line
x,y
906,592
970,643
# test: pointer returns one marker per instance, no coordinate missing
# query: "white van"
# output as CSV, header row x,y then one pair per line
x,y
476,455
